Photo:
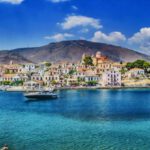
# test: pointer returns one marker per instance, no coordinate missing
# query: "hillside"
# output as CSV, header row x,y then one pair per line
x,y
69,51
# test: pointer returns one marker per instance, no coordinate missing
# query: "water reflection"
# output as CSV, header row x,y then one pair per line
x,y
86,104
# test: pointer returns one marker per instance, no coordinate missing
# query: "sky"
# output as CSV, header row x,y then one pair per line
x,y
30,23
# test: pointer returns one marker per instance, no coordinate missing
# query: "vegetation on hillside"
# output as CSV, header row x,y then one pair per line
x,y
138,64
88,61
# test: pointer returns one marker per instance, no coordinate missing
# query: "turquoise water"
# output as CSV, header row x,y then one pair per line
x,y
78,120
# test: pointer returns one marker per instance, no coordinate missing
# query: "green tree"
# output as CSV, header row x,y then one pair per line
x,y
146,67
53,82
48,64
138,64
123,70
71,72
88,61
92,83
5,82
17,83
80,81
129,65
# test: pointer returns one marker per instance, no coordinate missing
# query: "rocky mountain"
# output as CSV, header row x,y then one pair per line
x,y
69,51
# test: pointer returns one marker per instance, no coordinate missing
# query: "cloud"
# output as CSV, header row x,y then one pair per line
x,y
141,39
74,7
83,21
12,1
111,38
59,37
58,1
85,30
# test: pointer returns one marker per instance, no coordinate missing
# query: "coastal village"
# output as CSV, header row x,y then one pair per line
x,y
95,71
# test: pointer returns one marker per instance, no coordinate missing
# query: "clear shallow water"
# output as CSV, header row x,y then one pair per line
x,y
78,120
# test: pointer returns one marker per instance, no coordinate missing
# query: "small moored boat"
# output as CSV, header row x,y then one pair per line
x,y
40,95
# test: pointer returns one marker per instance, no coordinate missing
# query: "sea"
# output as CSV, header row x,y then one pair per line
x,y
100,119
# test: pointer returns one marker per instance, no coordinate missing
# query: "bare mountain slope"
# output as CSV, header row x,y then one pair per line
x,y
69,51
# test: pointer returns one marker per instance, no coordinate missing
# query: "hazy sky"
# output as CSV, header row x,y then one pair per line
x,y
25,23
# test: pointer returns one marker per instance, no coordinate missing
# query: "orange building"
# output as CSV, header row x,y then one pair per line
x,y
99,58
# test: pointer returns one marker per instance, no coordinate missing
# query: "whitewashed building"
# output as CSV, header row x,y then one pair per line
x,y
11,77
111,78
36,77
135,72
48,78
29,67
90,78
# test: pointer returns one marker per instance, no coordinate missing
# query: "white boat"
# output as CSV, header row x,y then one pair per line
x,y
40,95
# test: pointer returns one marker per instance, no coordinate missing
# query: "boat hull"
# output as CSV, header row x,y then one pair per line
x,y
40,97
